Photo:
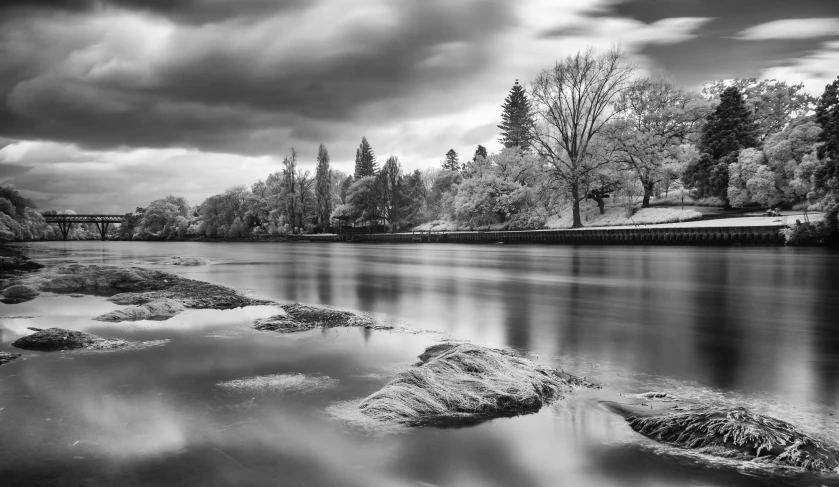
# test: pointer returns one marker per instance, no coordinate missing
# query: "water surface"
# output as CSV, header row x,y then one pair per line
x,y
748,326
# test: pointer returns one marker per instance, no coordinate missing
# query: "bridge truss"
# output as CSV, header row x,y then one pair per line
x,y
65,222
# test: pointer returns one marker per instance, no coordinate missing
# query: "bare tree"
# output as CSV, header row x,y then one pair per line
x,y
305,182
390,185
572,104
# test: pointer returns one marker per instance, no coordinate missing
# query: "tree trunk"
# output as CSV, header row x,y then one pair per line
x,y
575,208
601,204
648,191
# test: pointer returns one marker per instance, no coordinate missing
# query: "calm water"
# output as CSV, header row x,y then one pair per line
x,y
755,327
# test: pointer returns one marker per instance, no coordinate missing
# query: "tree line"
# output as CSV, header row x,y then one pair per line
x,y
588,128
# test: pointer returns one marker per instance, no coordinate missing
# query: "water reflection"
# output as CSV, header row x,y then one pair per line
x,y
750,326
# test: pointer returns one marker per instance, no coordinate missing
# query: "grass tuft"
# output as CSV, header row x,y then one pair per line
x,y
739,431
457,383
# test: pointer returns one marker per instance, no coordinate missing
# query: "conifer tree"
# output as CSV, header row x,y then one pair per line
x,y
516,119
451,163
323,188
481,151
728,129
365,160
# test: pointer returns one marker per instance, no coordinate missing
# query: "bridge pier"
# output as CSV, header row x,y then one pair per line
x,y
103,229
65,228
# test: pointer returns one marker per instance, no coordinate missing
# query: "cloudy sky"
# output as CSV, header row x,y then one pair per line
x,y
107,104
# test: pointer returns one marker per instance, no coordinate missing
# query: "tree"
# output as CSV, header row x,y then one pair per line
x,y
572,106
516,119
451,163
826,177
655,119
289,180
305,204
323,188
390,188
728,129
365,160
774,104
488,199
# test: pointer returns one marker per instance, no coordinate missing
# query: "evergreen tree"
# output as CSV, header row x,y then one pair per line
x,y
826,177
467,167
728,129
451,163
323,188
365,160
516,119
827,116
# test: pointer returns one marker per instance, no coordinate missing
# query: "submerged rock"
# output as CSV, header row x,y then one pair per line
x,y
141,286
281,324
300,317
54,339
464,383
731,433
14,263
18,294
7,357
161,309
188,261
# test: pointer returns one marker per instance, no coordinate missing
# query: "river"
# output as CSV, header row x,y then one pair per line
x,y
756,327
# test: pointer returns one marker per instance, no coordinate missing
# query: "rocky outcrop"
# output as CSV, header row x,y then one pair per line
x,y
299,317
163,294
730,433
464,383
7,357
54,339
18,293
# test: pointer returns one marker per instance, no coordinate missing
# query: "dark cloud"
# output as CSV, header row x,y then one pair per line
x,y
215,86
729,15
698,61
716,53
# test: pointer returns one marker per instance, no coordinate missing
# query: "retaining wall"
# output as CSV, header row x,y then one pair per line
x,y
757,235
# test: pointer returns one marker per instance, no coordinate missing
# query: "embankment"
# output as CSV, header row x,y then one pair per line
x,y
745,235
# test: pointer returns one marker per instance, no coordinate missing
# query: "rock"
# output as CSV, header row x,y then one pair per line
x,y
53,339
18,294
7,357
14,263
464,383
281,324
300,317
731,433
188,261
141,286
161,309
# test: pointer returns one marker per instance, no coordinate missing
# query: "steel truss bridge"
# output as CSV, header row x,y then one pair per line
x,y
65,222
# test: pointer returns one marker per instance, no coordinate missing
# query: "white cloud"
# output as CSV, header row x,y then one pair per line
x,y
792,29
815,70
63,176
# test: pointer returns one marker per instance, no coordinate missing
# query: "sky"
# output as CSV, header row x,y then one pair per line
x,y
106,105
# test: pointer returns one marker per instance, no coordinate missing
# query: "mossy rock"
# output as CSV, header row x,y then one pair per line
x,y
19,293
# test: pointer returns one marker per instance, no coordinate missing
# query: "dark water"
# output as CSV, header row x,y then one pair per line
x,y
754,327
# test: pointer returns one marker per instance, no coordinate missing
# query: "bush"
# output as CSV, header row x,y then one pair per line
x,y
808,234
